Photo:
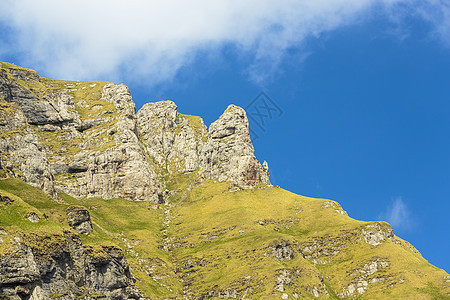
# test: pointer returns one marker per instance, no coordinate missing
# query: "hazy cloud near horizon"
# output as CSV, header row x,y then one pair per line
x,y
154,39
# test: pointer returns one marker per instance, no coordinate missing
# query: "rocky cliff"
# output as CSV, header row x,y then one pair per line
x,y
208,224
86,139
224,152
59,266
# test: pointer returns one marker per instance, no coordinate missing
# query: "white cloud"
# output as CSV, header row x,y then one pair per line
x,y
398,215
86,39
437,13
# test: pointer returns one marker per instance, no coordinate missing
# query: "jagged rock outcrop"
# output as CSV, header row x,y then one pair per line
x,y
229,153
58,266
172,139
183,144
111,162
209,239
84,133
32,217
80,219
54,108
282,250
6,200
85,139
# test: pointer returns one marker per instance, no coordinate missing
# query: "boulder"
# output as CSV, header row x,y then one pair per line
x,y
80,219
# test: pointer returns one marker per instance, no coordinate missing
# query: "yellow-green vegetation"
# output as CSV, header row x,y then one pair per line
x,y
58,295
25,77
208,239
7,108
135,227
88,102
29,199
6,65
13,68
60,142
225,240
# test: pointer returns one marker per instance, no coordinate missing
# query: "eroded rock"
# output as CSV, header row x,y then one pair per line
x,y
283,279
80,219
32,217
282,250
22,154
374,234
59,265
229,154
6,200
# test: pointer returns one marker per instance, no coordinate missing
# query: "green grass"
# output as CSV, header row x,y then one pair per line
x,y
204,216
221,234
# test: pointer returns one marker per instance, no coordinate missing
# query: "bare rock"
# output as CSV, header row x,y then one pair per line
x,y
99,147
181,144
65,268
174,140
18,268
111,162
229,154
32,217
375,233
282,250
283,279
22,154
55,109
6,200
80,219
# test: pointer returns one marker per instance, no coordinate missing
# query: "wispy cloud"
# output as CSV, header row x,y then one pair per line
x,y
398,215
437,13
154,39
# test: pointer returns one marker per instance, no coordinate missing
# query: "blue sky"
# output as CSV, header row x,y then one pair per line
x,y
364,87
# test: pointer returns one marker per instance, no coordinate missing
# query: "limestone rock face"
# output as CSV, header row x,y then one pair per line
x,y
65,269
86,140
111,162
53,108
174,140
32,217
80,219
181,143
229,153
22,154
84,133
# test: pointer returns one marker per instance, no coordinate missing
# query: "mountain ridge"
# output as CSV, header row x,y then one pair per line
x,y
74,114
208,223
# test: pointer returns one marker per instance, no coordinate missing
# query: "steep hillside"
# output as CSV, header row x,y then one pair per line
x,y
208,224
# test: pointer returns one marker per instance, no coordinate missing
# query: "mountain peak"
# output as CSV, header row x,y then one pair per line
x,y
86,133
230,154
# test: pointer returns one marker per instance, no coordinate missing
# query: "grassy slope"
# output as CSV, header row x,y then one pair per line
x,y
237,257
132,226
216,241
